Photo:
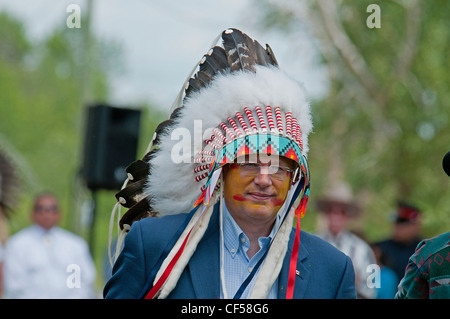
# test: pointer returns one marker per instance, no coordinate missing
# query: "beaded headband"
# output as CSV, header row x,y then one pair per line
x,y
276,137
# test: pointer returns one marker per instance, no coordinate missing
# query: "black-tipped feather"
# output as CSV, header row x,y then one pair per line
x,y
138,170
240,52
204,77
131,194
215,62
137,212
147,157
161,128
176,113
271,56
220,58
194,85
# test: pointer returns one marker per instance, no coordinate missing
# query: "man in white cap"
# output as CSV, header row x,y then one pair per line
x,y
339,208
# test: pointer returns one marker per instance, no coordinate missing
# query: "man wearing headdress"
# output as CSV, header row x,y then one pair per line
x,y
219,220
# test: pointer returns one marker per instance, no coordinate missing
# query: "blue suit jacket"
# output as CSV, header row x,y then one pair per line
x,y
324,271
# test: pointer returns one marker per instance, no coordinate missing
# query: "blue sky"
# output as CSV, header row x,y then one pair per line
x,y
163,40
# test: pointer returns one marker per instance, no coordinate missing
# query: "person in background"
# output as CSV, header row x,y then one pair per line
x,y
388,278
338,208
10,187
405,238
427,275
45,261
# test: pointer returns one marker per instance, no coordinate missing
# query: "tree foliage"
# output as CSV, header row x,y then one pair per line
x,y
384,125
42,114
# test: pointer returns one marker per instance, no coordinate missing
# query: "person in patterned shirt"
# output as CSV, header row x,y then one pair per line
x,y
427,274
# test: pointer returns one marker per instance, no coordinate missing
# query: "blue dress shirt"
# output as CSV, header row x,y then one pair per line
x,y
237,265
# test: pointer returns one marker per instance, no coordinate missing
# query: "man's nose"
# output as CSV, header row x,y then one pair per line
x,y
263,178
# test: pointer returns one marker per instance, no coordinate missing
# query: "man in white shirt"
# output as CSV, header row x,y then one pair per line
x,y
45,261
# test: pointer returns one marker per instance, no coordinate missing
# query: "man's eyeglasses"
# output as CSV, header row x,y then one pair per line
x,y
42,208
279,173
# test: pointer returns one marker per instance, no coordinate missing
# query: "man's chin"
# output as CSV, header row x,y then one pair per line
x,y
262,209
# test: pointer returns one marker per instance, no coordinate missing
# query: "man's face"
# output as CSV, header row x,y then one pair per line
x,y
337,218
254,194
46,212
407,231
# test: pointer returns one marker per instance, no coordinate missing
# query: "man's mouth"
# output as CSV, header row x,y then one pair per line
x,y
258,196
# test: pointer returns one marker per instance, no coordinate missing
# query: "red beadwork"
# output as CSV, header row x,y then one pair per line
x,y
279,119
227,130
201,168
261,118
235,127
270,118
213,144
251,119
294,128
200,177
288,123
242,122
202,159
219,134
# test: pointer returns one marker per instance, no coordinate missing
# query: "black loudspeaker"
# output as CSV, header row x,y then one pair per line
x,y
110,145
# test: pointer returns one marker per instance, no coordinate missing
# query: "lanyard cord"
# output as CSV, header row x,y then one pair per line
x,y
249,278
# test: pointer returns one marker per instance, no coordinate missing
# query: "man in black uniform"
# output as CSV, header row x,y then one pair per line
x,y
405,238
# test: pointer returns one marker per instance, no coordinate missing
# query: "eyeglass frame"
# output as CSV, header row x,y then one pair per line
x,y
276,172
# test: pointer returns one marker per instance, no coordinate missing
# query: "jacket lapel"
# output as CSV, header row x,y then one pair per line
x,y
302,272
204,263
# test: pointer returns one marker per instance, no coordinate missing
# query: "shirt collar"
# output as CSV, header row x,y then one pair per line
x,y
234,237
40,231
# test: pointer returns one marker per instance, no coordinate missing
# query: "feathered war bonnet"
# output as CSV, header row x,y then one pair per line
x,y
238,103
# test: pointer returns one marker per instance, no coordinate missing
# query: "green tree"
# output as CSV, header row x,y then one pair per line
x,y
41,106
45,86
383,127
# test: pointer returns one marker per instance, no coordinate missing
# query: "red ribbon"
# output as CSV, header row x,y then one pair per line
x,y
293,262
167,271
299,213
